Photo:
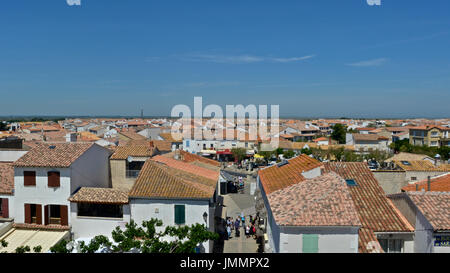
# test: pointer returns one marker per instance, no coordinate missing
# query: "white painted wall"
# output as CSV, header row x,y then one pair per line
x,y
331,239
11,155
41,193
88,227
163,209
90,170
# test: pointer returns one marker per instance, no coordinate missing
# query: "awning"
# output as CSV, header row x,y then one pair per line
x,y
22,237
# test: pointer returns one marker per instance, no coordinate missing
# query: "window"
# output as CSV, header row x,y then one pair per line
x,y
180,214
187,143
29,178
351,182
53,179
33,213
55,215
310,243
133,168
391,245
100,210
413,178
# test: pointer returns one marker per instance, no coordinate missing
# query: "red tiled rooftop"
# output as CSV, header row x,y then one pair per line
x,y
6,178
375,210
321,201
437,183
53,155
275,178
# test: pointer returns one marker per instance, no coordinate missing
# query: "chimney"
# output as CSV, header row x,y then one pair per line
x,y
417,187
151,144
429,184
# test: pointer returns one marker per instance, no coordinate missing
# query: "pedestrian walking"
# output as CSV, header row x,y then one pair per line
x,y
247,231
229,231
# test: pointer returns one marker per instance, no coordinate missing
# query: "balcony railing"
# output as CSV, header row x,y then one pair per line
x,y
132,173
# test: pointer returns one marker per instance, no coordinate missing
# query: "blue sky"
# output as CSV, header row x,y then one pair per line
x,y
313,58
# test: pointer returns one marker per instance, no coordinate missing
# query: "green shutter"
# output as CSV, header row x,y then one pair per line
x,y
310,243
180,214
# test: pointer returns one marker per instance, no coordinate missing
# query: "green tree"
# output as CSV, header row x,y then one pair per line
x,y
147,239
23,249
338,133
239,153
3,126
288,154
306,151
37,249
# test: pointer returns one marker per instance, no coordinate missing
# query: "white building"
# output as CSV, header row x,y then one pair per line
x,y
98,211
176,192
297,200
47,175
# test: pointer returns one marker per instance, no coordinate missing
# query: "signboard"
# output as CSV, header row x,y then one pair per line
x,y
443,240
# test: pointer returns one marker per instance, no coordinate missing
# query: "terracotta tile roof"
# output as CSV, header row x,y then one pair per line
x,y
402,156
131,135
368,242
190,168
157,180
6,178
376,212
99,196
275,178
320,139
422,165
60,155
368,137
161,145
123,152
321,201
172,137
435,206
437,183
40,227
188,157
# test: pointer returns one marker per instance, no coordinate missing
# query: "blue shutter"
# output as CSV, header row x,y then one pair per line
x,y
310,243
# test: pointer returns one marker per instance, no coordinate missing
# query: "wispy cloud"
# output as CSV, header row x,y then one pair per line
x,y
373,62
242,59
293,59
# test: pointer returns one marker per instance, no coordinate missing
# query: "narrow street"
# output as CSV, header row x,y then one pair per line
x,y
237,203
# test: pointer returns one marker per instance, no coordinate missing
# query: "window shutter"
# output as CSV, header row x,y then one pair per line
x,y
180,214
39,214
29,178
4,204
28,213
310,243
64,215
53,179
46,219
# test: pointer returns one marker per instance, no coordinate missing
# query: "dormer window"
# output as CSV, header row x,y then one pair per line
x,y
53,179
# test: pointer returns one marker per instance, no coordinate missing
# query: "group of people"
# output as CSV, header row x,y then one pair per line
x,y
235,224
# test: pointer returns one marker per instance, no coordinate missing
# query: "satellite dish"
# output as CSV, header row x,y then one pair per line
x,y
130,158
